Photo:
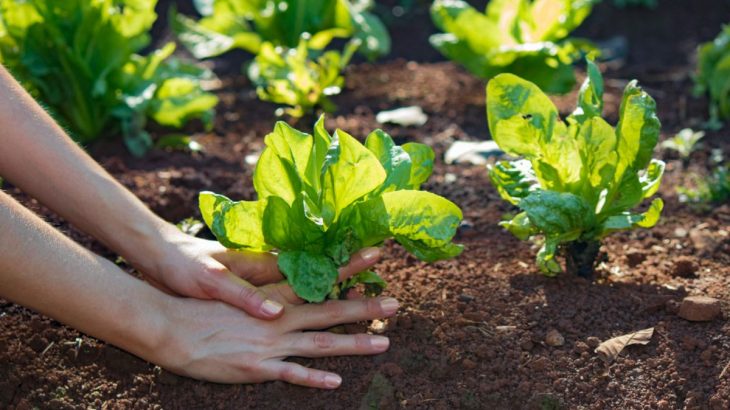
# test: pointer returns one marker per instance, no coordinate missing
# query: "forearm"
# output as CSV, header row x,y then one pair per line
x,y
39,158
44,270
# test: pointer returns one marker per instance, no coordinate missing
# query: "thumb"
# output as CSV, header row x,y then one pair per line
x,y
223,285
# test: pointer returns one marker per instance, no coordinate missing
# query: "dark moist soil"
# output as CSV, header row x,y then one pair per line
x,y
471,331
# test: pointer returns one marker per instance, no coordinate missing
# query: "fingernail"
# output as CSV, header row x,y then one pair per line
x,y
370,254
389,305
379,342
271,308
332,380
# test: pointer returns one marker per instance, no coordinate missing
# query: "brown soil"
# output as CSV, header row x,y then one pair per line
x,y
471,332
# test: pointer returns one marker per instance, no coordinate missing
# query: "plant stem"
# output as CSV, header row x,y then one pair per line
x,y
580,257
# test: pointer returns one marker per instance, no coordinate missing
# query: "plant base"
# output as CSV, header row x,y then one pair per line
x,y
580,258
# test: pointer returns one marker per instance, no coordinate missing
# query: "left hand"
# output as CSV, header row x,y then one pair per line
x,y
205,269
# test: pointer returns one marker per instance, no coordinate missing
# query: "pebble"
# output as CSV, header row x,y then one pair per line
x,y
466,297
699,308
469,364
554,338
672,306
391,369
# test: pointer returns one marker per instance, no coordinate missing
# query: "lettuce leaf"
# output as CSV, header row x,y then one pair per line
x,y
524,37
578,180
80,59
713,76
249,24
323,197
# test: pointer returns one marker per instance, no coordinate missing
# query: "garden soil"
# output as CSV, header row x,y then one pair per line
x,y
471,332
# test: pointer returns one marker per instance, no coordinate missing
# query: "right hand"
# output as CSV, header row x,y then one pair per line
x,y
214,341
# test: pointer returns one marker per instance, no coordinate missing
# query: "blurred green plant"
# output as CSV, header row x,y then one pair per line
x,y
579,179
685,142
79,58
523,37
649,4
248,24
708,191
713,77
301,77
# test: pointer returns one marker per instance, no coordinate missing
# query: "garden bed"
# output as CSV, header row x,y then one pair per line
x,y
471,331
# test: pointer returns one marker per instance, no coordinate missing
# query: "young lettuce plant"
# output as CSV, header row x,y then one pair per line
x,y
523,37
323,197
301,77
248,24
713,76
79,58
577,180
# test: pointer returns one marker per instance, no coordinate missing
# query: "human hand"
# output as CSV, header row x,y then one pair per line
x,y
214,341
188,266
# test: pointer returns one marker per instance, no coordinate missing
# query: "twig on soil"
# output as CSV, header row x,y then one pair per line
x,y
47,348
722,373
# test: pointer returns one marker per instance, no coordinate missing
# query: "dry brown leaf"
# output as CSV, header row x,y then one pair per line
x,y
611,348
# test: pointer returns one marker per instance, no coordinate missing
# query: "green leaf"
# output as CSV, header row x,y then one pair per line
x,y
520,226
349,173
395,160
590,96
286,227
422,160
651,179
558,214
521,117
311,276
514,180
638,127
235,224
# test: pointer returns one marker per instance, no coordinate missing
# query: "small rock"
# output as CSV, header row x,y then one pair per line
x,y
391,369
702,239
469,364
680,232
405,116
685,267
635,257
466,297
593,342
699,308
471,152
554,338
526,345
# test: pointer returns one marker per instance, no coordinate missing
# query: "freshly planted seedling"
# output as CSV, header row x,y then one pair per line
x,y
79,58
323,197
523,37
713,76
301,77
577,180
685,142
710,191
248,24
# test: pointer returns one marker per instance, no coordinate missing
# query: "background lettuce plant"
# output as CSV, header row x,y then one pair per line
x,y
578,180
713,76
79,58
323,197
248,24
301,77
524,37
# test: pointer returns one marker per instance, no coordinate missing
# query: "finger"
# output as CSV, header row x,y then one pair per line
x,y
360,261
159,286
297,374
323,344
282,293
335,312
258,268
219,283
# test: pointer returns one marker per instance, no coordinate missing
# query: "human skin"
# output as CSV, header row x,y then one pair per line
x,y
214,314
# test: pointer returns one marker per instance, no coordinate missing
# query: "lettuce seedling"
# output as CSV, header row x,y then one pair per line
x,y
576,181
713,76
301,77
79,58
248,24
523,37
323,197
